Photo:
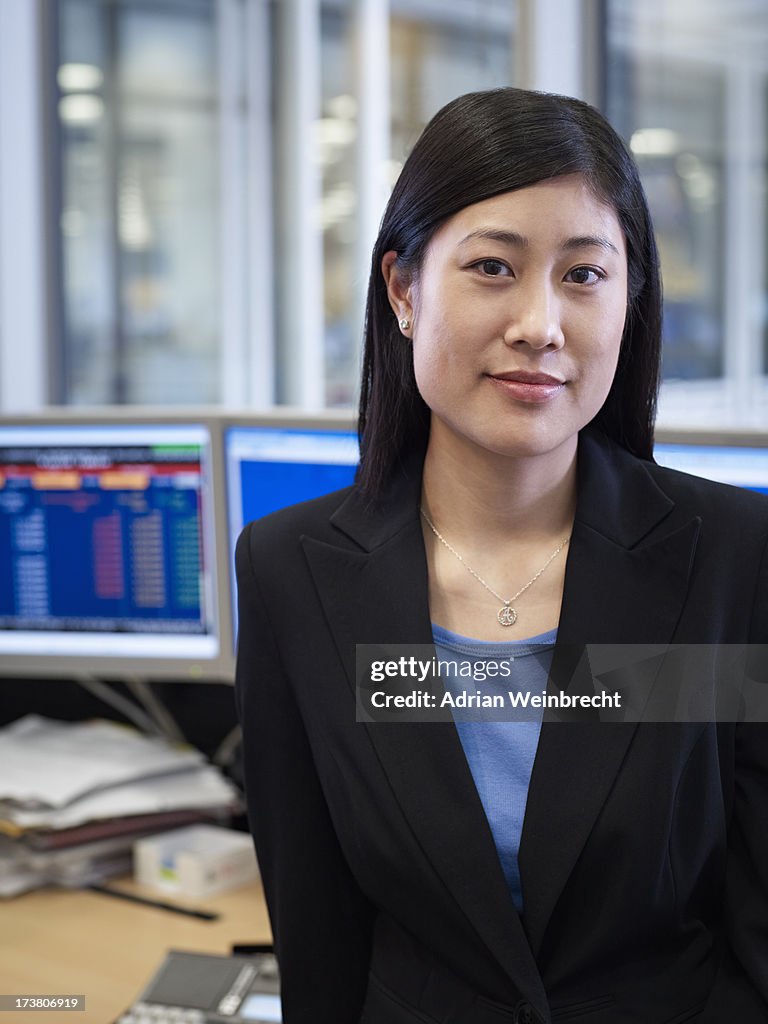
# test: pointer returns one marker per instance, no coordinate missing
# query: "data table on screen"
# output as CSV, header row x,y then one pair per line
x,y
107,546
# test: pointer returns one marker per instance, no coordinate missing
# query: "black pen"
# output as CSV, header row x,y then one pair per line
x,y
203,915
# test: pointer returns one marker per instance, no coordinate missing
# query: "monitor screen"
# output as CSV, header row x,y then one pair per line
x,y
731,460
107,549
270,467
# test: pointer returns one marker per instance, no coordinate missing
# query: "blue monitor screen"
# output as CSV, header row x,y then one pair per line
x,y
269,468
729,464
105,547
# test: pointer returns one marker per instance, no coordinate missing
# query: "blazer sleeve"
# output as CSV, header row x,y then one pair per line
x,y
321,921
741,988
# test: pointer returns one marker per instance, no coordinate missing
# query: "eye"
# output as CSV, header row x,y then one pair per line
x,y
585,275
492,268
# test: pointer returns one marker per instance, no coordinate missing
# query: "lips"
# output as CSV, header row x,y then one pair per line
x,y
526,377
526,386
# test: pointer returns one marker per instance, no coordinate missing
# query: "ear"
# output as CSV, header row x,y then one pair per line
x,y
399,288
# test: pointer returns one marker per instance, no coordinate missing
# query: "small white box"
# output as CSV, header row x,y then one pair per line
x,y
195,861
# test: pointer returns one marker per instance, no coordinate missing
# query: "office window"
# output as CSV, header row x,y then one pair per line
x,y
439,52
138,201
163,125
436,51
678,147
337,141
686,86
220,167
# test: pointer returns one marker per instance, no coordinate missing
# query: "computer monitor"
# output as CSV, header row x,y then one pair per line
x,y
732,457
108,547
283,459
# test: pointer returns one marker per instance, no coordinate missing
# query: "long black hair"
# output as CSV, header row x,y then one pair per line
x,y
478,146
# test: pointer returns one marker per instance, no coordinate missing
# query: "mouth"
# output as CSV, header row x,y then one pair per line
x,y
525,386
527,377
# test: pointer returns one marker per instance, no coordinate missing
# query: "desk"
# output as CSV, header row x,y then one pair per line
x,y
59,942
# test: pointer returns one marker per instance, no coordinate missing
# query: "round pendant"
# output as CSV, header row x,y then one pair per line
x,y
507,616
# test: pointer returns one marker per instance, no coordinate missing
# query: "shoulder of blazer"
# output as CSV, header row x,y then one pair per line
x,y
345,518
622,494
733,520
292,522
711,498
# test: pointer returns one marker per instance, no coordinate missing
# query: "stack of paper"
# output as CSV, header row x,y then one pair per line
x,y
74,797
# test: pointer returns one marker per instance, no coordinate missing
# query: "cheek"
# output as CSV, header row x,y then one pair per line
x,y
599,337
615,339
425,355
424,367
606,356
435,342
606,329
604,364
432,372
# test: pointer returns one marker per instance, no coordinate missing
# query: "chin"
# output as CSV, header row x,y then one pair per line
x,y
524,447
508,437
528,443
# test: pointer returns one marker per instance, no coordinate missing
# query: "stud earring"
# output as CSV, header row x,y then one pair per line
x,y
404,323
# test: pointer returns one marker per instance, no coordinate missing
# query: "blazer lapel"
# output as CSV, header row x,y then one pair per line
x,y
626,581
380,595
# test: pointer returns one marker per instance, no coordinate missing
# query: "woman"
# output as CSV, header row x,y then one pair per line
x,y
588,871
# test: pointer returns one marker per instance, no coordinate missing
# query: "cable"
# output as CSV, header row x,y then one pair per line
x,y
116,700
149,700
225,751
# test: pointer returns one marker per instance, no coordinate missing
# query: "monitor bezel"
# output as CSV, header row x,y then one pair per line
x,y
703,437
218,668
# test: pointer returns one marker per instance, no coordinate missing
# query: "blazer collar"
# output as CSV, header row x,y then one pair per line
x,y
617,497
626,579
373,524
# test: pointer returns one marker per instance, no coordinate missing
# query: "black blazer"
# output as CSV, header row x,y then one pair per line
x,y
644,852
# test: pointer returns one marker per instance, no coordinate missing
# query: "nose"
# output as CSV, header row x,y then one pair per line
x,y
535,317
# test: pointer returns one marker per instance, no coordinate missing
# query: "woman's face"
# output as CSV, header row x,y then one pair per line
x,y
516,317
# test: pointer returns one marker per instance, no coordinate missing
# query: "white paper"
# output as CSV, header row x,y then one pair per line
x,y
199,788
45,763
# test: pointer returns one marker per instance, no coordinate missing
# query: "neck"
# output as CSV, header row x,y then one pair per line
x,y
467,489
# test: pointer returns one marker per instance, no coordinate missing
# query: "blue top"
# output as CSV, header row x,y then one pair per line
x,y
499,752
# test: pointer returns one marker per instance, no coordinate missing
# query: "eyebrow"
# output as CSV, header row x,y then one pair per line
x,y
517,241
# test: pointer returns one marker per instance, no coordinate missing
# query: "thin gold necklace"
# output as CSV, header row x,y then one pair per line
x,y
506,615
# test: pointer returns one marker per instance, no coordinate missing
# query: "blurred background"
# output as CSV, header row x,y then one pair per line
x,y
189,189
